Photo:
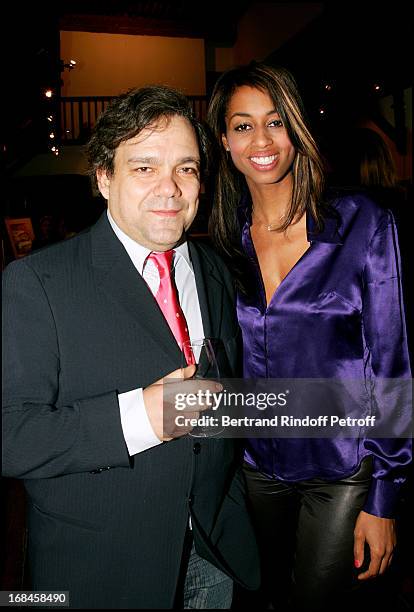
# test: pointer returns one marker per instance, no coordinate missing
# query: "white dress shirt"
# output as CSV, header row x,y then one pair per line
x,y
136,426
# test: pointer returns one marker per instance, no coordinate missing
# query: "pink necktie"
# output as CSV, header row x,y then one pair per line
x,y
167,300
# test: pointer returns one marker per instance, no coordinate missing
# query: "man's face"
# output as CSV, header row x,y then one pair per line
x,y
153,193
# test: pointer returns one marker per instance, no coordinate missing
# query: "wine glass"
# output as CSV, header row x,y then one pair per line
x,y
204,351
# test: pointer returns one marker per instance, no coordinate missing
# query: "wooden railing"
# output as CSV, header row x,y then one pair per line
x,y
78,115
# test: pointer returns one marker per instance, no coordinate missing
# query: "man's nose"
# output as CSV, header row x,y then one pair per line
x,y
167,187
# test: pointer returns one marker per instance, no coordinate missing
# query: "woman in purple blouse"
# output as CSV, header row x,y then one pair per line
x,y
319,296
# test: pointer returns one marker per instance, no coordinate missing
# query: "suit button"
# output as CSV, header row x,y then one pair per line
x,y
197,448
191,500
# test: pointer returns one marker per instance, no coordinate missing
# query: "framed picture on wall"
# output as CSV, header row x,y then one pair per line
x,y
21,235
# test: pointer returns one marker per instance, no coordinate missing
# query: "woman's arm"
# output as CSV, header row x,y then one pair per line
x,y
388,368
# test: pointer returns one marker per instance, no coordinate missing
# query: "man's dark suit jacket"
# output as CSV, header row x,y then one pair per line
x,y
82,326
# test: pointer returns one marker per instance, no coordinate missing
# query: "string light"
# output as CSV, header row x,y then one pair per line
x,y
51,135
48,93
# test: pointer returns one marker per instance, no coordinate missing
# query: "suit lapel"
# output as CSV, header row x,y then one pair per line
x,y
122,283
209,289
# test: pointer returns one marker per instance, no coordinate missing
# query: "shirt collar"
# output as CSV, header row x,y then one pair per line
x,y
329,232
138,253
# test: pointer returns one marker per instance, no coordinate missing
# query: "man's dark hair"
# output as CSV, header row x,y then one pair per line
x,y
130,113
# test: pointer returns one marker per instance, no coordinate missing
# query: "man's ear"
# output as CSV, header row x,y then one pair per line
x,y
225,143
103,182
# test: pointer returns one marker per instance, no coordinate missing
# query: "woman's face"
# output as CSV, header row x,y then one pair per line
x,y
256,137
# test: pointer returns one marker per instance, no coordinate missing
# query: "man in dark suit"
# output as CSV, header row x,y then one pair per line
x,y
121,513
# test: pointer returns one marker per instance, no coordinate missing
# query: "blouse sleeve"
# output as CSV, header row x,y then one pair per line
x,y
388,369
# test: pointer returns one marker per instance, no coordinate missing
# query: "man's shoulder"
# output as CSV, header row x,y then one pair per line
x,y
209,255
59,252
56,259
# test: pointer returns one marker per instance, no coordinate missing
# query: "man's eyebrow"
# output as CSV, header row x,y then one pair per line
x,y
155,161
189,159
144,160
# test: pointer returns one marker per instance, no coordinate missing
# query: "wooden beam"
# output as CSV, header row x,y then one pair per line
x,y
134,25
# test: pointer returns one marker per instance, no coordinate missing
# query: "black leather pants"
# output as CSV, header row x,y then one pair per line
x,y
305,535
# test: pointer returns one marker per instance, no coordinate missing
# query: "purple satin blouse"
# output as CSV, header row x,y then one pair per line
x,y
337,314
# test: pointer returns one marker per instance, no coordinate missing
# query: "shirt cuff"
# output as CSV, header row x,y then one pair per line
x,y
382,498
136,426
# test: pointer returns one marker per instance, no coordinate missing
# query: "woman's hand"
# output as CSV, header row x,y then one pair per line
x,y
379,534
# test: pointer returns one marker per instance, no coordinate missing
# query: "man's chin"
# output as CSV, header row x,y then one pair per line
x,y
166,240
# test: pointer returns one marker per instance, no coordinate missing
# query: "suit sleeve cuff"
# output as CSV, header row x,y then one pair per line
x,y
136,426
382,498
